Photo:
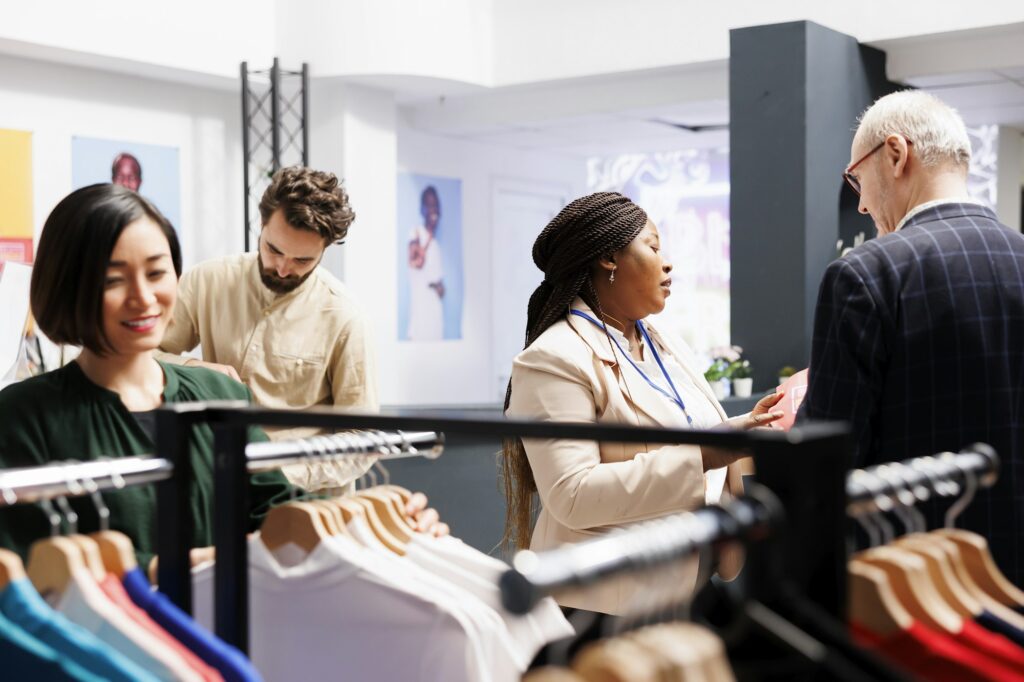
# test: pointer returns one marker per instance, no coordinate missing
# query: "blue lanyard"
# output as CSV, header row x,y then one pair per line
x,y
674,398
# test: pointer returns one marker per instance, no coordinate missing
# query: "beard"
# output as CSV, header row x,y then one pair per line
x,y
281,285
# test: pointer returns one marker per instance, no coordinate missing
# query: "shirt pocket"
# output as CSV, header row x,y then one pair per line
x,y
298,369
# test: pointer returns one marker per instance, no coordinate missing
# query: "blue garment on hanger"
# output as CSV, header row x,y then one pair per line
x,y
23,606
994,623
26,658
231,663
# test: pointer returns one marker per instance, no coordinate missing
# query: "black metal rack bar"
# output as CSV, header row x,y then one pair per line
x,y
231,525
174,523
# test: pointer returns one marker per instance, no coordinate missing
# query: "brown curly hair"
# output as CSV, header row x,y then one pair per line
x,y
311,200
586,229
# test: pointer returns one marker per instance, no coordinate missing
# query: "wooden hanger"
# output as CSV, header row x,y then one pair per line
x,y
11,568
386,513
91,555
352,511
687,648
913,587
998,609
116,551
378,528
298,523
871,601
666,665
941,572
52,563
398,504
336,525
983,569
403,493
615,660
715,661
550,673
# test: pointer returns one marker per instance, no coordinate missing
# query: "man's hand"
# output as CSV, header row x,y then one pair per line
x,y
226,370
425,519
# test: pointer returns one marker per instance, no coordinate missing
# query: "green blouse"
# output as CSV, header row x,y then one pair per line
x,y
62,415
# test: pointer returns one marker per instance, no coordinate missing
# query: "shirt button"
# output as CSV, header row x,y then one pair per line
x,y
266,313
299,362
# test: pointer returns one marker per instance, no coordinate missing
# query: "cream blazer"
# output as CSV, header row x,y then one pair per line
x,y
572,373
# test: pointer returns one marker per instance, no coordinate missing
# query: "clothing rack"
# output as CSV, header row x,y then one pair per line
x,y
534,576
879,487
792,462
71,479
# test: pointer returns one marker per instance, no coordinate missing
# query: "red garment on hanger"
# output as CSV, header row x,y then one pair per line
x,y
995,645
934,655
113,588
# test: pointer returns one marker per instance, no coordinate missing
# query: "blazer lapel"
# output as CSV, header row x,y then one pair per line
x,y
686,359
656,406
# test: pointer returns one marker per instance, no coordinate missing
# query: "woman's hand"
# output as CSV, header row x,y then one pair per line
x,y
425,519
762,415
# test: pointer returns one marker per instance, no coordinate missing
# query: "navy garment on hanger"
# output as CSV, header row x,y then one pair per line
x,y
231,663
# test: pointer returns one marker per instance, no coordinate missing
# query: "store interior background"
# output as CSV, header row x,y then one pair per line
x,y
519,100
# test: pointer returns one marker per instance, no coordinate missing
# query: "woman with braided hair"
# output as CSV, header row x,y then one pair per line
x,y
590,356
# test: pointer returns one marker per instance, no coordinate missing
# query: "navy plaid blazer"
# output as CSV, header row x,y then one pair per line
x,y
919,344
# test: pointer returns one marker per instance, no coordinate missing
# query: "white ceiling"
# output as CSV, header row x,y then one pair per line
x,y
630,130
584,119
981,96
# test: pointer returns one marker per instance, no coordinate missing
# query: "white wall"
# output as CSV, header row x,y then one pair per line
x,y
56,102
460,372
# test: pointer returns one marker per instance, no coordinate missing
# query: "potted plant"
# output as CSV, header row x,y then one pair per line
x,y
715,374
719,373
742,375
786,372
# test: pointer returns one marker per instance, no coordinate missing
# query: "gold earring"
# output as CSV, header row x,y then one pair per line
x,y
611,277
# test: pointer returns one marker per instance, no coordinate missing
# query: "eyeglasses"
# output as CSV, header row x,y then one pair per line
x,y
848,175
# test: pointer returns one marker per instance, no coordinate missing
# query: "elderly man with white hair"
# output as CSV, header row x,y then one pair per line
x,y
919,334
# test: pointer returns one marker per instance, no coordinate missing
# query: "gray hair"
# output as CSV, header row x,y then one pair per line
x,y
933,127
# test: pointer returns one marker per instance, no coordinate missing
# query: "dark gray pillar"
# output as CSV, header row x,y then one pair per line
x,y
795,91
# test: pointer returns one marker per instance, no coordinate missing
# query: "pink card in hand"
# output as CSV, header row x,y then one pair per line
x,y
795,388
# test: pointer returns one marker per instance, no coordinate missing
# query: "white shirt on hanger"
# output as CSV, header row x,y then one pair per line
x,y
321,615
505,660
546,615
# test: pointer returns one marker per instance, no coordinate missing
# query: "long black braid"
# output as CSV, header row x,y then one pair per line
x,y
586,229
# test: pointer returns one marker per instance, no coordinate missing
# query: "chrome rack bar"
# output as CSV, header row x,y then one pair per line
x,y
31,484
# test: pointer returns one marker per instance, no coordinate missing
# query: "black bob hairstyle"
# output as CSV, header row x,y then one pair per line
x,y
71,261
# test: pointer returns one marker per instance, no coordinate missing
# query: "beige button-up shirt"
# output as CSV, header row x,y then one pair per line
x,y
308,347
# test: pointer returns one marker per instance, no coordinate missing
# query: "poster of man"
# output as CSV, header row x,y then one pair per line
x,y
430,258
149,169
126,171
